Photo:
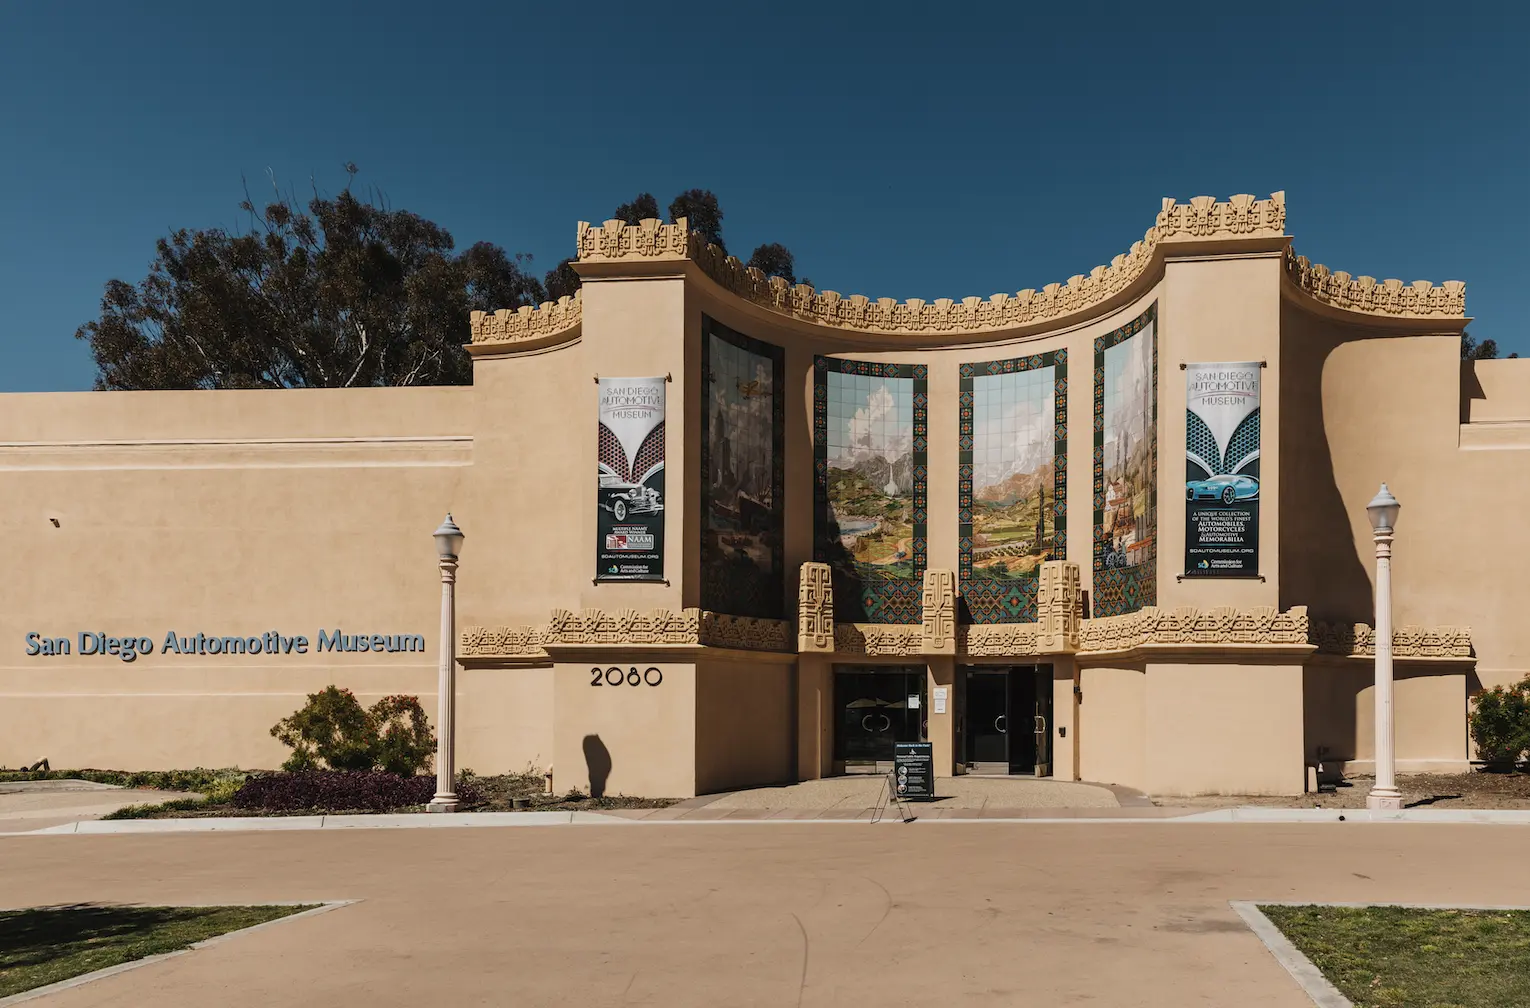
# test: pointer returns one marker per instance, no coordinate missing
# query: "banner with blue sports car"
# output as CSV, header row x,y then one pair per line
x,y
1222,470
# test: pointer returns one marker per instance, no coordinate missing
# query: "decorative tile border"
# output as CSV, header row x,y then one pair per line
x,y
890,600
768,599
1122,589
996,600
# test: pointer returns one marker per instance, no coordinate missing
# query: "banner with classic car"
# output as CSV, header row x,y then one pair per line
x,y
629,522
1222,470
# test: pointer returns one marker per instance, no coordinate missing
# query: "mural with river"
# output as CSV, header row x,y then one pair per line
x,y
870,447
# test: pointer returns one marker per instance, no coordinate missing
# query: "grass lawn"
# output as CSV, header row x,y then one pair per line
x,y
45,945
1394,957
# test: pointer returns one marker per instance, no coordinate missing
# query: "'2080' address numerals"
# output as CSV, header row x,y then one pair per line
x,y
614,676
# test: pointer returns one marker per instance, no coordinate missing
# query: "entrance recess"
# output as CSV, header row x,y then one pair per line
x,y
875,707
1007,719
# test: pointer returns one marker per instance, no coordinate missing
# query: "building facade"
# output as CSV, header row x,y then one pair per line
x,y
723,531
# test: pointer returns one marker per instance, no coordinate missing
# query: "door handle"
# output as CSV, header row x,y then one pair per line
x,y
865,726
1041,725
886,724
999,723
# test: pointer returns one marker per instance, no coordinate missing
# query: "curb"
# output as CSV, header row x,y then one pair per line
x,y
1312,981
468,820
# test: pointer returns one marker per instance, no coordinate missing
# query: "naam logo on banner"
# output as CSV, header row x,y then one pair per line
x,y
1222,469
629,544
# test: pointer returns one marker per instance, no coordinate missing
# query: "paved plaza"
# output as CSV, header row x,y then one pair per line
x,y
767,914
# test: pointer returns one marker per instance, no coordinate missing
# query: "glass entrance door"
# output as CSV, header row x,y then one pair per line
x,y
987,734
877,706
1006,727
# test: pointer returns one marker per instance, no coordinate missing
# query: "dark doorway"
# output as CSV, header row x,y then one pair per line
x,y
876,706
1006,725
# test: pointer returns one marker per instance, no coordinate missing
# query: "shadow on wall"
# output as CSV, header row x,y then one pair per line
x,y
1319,562
597,761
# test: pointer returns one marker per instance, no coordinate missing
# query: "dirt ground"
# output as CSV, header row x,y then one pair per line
x,y
1476,790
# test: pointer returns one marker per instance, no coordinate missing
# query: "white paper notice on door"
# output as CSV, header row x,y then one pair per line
x,y
913,702
941,692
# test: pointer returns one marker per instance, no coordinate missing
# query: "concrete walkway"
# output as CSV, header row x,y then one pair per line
x,y
33,805
753,916
865,796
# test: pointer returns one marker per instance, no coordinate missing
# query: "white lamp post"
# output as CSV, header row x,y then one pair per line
x,y
448,546
1382,511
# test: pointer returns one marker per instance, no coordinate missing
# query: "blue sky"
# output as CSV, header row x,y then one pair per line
x,y
899,151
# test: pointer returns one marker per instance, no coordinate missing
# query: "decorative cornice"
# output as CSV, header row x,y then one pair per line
x,y
527,323
628,627
999,640
1419,299
1358,640
1203,218
895,639
1188,625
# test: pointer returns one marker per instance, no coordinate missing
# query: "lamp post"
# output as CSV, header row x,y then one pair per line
x,y
1382,511
448,546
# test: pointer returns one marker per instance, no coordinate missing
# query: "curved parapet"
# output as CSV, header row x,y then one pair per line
x,y
1419,299
1202,219
526,328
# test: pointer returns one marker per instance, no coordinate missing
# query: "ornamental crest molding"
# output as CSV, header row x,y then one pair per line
x,y
626,627
1190,625
1358,640
998,640
1419,299
527,323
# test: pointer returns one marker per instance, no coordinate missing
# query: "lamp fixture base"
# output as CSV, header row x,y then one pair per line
x,y
1379,800
442,804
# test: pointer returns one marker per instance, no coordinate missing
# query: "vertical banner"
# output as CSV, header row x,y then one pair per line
x,y
629,523
1222,470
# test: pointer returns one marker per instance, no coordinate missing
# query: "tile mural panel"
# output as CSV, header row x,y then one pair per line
x,y
870,453
742,474
1012,482
1126,467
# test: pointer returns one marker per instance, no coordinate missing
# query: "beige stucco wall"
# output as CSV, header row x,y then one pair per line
x,y
228,513
1112,731
744,712
1367,407
621,739
1223,726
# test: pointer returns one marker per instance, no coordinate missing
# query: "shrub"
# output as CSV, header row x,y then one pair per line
x,y
332,730
405,742
1500,722
373,790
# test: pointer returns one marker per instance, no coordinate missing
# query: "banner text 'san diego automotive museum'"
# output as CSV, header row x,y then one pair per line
x,y
1222,470
629,544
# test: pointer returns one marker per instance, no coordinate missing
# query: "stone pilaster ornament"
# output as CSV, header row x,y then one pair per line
x,y
1059,607
815,608
939,612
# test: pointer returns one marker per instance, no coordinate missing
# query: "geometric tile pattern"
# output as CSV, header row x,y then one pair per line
x,y
871,486
1125,554
743,466
1004,428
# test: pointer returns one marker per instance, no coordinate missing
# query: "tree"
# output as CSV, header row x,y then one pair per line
x,y
643,207
773,259
1473,350
349,293
700,208
561,280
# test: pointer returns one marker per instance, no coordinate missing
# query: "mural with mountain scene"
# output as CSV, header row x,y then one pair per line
x,y
1012,482
870,446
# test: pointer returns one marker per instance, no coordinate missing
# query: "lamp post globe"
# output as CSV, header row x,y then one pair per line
x,y
1382,512
448,538
448,547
